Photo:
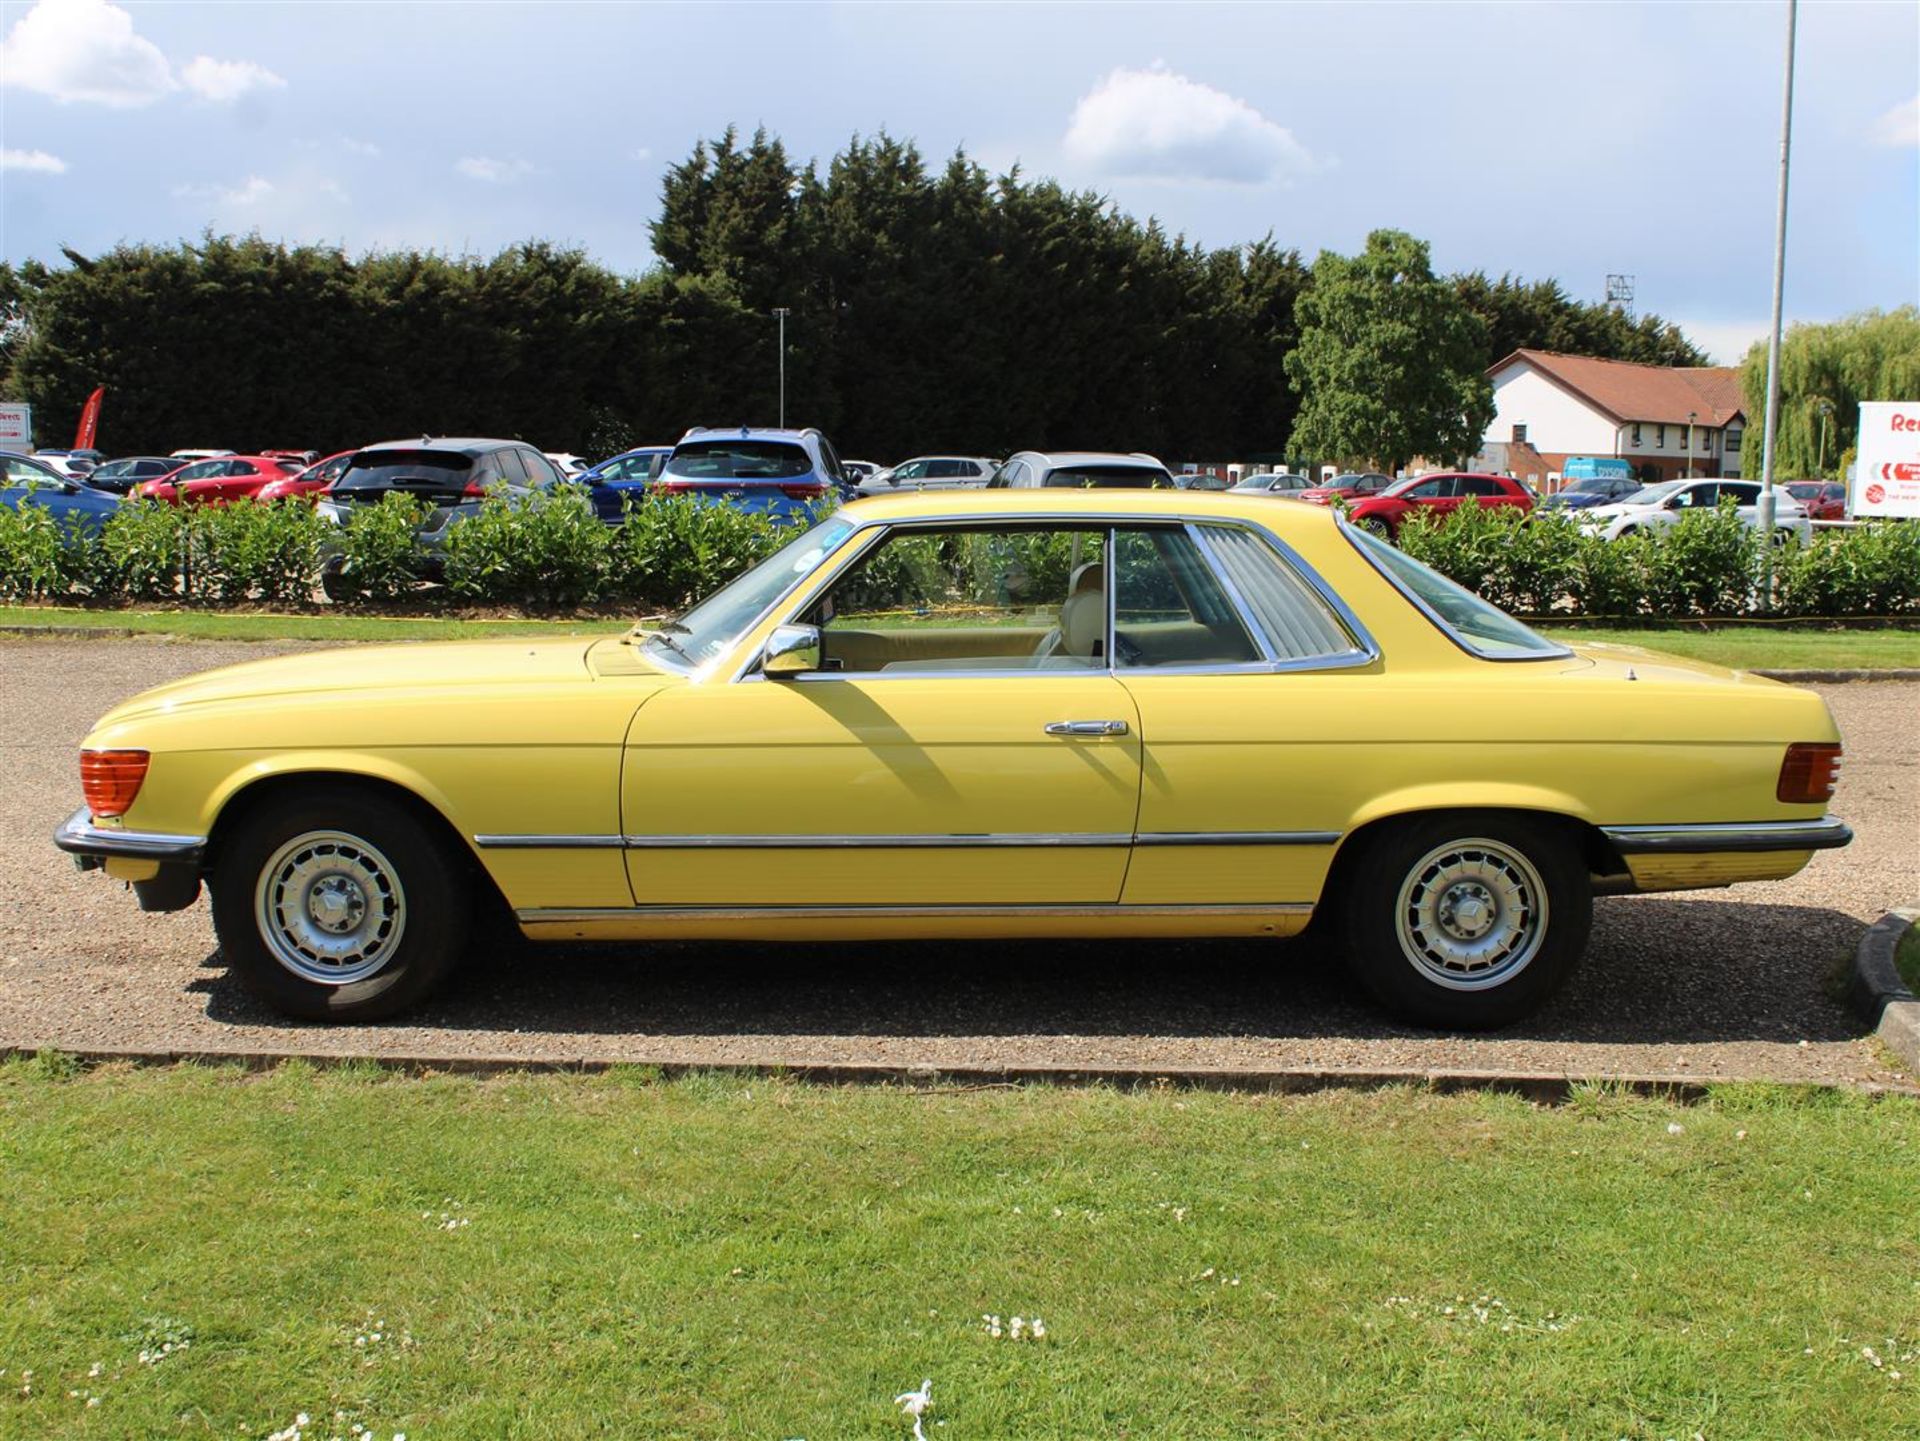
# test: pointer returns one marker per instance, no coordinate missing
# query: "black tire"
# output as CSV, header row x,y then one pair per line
x,y
1378,527
1408,931
296,867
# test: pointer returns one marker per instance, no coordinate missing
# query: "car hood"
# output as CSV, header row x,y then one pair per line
x,y
441,668
1615,511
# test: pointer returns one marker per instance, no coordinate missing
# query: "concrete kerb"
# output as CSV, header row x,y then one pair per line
x,y
1879,995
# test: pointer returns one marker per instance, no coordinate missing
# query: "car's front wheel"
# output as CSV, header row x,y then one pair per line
x,y
1378,527
1466,921
342,907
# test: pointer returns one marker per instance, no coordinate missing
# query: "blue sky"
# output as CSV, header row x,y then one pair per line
x,y
1567,140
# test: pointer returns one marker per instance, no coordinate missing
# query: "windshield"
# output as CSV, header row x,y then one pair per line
x,y
378,469
1469,621
1652,494
706,631
1107,477
738,460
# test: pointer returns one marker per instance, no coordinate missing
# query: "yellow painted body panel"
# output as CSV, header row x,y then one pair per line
x,y
579,739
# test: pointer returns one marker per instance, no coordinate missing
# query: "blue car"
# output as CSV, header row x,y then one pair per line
x,y
786,474
1598,490
613,482
81,507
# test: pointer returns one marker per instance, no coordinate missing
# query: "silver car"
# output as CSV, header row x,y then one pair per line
x,y
1081,470
930,472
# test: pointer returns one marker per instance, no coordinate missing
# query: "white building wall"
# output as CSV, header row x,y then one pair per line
x,y
1556,422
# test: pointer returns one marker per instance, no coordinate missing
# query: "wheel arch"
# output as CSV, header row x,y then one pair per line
x,y
1559,812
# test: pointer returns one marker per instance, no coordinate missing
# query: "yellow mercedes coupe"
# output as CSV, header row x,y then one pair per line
x,y
1029,713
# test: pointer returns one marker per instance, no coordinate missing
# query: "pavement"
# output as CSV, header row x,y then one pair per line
x,y
1741,983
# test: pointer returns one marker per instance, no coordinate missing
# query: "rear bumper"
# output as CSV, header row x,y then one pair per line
x,y
1716,838
79,837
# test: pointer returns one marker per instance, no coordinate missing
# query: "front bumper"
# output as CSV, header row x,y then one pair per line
x,y
90,845
1718,838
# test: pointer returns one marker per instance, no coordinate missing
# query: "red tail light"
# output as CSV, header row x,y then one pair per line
x,y
1808,773
811,491
111,779
670,487
474,488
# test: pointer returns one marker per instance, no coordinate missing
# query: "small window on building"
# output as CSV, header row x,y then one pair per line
x,y
1519,435
1660,437
1636,437
1733,438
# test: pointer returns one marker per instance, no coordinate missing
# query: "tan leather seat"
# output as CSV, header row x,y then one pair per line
x,y
1083,614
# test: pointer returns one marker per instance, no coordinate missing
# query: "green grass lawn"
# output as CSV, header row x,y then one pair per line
x,y
562,1256
1746,647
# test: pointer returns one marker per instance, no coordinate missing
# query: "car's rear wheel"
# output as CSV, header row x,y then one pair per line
x,y
1378,526
339,908
1465,920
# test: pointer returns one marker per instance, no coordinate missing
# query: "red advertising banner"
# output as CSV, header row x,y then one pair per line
x,y
89,420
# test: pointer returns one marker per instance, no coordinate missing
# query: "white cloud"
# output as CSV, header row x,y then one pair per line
x,y
1154,124
250,191
493,172
1900,125
34,160
84,50
225,81
359,147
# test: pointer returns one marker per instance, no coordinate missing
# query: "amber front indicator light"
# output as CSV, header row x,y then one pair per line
x,y
1808,773
111,779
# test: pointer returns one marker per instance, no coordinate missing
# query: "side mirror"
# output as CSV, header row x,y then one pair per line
x,y
790,650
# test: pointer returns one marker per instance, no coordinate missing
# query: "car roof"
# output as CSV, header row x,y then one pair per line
x,y
463,444
1017,504
747,432
1059,458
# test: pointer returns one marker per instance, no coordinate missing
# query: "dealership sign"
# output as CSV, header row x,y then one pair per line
x,y
1886,477
16,426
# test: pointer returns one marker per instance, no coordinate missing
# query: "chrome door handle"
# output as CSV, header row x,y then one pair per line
x,y
1087,728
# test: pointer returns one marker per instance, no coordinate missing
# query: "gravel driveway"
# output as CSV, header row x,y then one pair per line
x,y
1710,984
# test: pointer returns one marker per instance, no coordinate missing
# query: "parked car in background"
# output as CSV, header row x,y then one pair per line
x,y
453,475
1441,493
75,504
121,475
301,458
931,472
781,473
243,477
1200,480
1657,506
308,484
74,464
1584,494
1080,470
186,455
993,715
858,470
567,463
244,470
1274,482
1821,499
1351,486
622,480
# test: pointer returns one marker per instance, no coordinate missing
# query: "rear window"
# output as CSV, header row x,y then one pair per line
x,y
1107,477
739,460
372,470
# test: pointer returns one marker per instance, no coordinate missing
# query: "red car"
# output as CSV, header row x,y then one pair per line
x,y
309,483
1823,499
1440,493
1354,485
216,482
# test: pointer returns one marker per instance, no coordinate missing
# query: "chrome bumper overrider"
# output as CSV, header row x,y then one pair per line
x,y
79,837
1820,835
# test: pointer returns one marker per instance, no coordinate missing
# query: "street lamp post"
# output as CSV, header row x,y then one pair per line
x,y
1767,501
781,313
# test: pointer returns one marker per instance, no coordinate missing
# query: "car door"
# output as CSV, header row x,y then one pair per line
x,y
957,741
1439,495
1247,725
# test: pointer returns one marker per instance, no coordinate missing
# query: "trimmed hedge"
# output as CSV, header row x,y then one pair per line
x,y
553,553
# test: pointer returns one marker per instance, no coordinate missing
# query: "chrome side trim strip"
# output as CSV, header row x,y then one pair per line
x,y
850,842
961,841
1237,838
79,836
538,916
549,843
1821,835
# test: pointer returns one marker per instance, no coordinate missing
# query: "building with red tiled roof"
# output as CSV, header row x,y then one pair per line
x,y
1667,421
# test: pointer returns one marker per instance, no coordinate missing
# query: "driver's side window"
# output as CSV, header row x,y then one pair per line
x,y
931,601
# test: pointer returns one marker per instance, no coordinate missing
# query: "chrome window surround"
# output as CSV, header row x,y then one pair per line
x,y
1367,652
1560,652
958,841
